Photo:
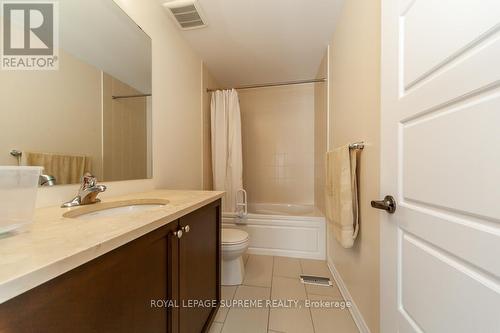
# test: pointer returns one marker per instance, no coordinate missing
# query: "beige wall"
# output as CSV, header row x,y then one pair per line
x,y
208,83
176,102
49,111
320,134
355,116
278,143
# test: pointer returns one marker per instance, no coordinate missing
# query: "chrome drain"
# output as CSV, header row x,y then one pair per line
x,y
316,280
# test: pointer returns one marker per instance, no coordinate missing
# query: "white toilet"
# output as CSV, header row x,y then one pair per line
x,y
234,244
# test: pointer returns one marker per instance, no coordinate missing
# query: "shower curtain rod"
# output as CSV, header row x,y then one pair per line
x,y
263,85
130,96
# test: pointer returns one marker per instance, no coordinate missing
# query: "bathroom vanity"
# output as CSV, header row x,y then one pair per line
x,y
152,271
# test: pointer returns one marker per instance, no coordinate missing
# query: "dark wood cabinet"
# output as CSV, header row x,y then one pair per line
x,y
115,292
199,277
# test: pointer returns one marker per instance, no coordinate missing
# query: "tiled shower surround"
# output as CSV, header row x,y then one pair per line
x,y
278,144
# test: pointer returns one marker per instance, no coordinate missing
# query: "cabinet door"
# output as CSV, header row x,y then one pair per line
x,y
112,293
173,278
199,267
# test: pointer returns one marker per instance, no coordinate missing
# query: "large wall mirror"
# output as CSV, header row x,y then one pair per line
x,y
93,114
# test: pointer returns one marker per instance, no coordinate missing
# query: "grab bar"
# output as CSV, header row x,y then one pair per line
x,y
244,204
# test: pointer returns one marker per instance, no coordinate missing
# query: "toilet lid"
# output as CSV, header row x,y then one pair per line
x,y
233,236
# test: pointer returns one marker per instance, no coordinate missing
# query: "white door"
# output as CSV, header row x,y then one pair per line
x,y
440,252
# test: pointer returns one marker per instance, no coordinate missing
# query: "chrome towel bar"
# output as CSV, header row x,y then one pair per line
x,y
357,145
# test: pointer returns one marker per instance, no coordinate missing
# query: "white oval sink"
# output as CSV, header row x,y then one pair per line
x,y
109,209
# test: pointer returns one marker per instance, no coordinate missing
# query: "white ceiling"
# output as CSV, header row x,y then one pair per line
x,y
260,41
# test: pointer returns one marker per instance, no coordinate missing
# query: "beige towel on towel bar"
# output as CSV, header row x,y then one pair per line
x,y
67,169
342,195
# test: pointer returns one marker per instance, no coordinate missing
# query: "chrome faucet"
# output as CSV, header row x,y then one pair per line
x,y
87,194
46,180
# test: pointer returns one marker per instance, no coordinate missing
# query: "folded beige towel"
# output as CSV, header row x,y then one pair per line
x,y
66,169
341,195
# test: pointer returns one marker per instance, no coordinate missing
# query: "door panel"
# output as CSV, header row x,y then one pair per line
x,y
454,287
435,32
199,270
458,236
440,140
459,81
440,160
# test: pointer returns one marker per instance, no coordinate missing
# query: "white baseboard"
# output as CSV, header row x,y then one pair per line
x,y
284,253
354,310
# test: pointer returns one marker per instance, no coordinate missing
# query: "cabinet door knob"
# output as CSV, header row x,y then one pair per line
x,y
186,228
178,233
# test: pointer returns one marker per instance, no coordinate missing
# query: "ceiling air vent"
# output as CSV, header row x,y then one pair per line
x,y
187,13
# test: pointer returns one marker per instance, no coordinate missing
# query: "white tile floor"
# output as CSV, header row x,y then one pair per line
x,y
277,278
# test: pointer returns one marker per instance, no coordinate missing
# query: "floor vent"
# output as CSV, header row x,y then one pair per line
x,y
316,280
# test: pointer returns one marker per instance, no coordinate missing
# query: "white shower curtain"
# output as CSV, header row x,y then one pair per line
x,y
227,160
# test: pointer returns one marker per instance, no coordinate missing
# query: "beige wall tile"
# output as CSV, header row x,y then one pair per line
x,y
278,144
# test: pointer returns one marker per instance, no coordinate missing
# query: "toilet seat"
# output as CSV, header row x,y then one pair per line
x,y
233,236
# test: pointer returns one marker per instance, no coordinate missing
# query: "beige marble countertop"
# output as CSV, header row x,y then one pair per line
x,y
53,244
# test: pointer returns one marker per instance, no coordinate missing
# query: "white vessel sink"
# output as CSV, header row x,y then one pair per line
x,y
110,209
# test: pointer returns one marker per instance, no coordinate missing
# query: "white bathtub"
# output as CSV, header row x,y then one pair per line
x,y
283,209
282,230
